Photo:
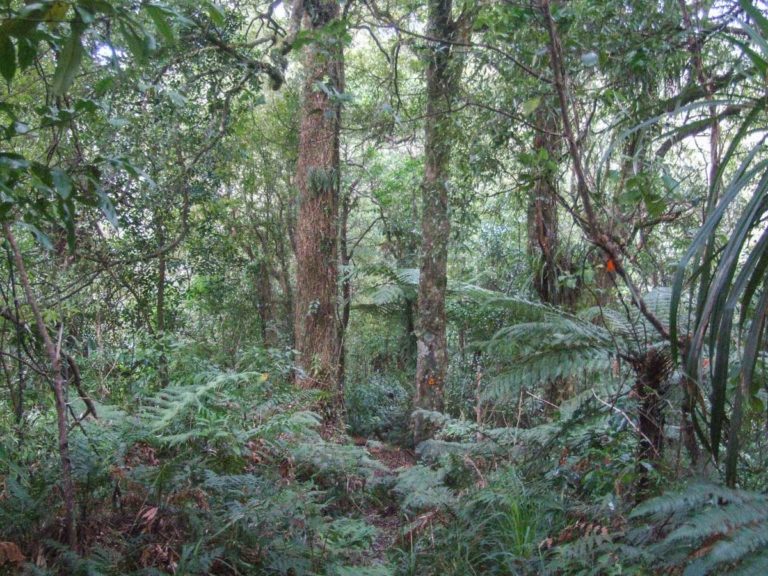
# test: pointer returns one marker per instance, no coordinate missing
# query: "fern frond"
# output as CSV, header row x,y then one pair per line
x,y
694,496
171,404
754,565
711,528
422,488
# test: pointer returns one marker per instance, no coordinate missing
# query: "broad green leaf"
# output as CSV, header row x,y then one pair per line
x,y
756,38
159,16
107,208
177,98
86,105
530,106
7,58
134,41
98,6
61,182
21,127
70,58
104,85
41,237
215,13
86,15
756,15
27,51
32,10
67,213
57,12
12,161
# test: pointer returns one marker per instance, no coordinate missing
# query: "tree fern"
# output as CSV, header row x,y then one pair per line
x,y
706,529
535,352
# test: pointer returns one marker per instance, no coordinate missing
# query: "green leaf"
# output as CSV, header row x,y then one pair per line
x,y
20,127
104,85
135,41
70,58
12,161
107,208
303,38
756,15
86,15
41,237
97,6
670,183
177,98
215,13
159,16
61,182
530,106
27,49
756,38
7,58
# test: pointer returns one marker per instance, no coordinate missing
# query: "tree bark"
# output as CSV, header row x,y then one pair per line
x,y
262,271
346,287
651,373
162,362
543,241
443,75
316,322
59,392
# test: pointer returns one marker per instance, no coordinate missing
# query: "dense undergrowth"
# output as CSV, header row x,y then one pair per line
x,y
229,471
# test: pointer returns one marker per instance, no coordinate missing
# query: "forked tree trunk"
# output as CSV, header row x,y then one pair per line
x,y
316,323
443,75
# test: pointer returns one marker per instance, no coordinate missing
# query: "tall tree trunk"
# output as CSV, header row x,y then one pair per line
x,y
59,392
284,277
21,369
543,242
162,367
443,75
317,177
262,270
346,287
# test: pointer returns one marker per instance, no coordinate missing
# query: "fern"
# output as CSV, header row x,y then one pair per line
x,y
169,405
422,488
554,344
708,528
334,464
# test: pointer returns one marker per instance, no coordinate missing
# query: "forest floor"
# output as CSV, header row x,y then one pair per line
x,y
387,519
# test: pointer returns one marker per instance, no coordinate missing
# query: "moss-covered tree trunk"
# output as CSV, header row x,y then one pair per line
x,y
443,75
316,323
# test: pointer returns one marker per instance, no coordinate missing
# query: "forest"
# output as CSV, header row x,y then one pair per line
x,y
383,287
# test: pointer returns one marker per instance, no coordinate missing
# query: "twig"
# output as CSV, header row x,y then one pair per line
x,y
627,418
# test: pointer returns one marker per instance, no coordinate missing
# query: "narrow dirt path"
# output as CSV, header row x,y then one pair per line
x,y
387,518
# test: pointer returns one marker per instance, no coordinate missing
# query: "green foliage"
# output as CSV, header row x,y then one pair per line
x,y
728,273
151,183
495,528
422,488
219,467
378,406
706,529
